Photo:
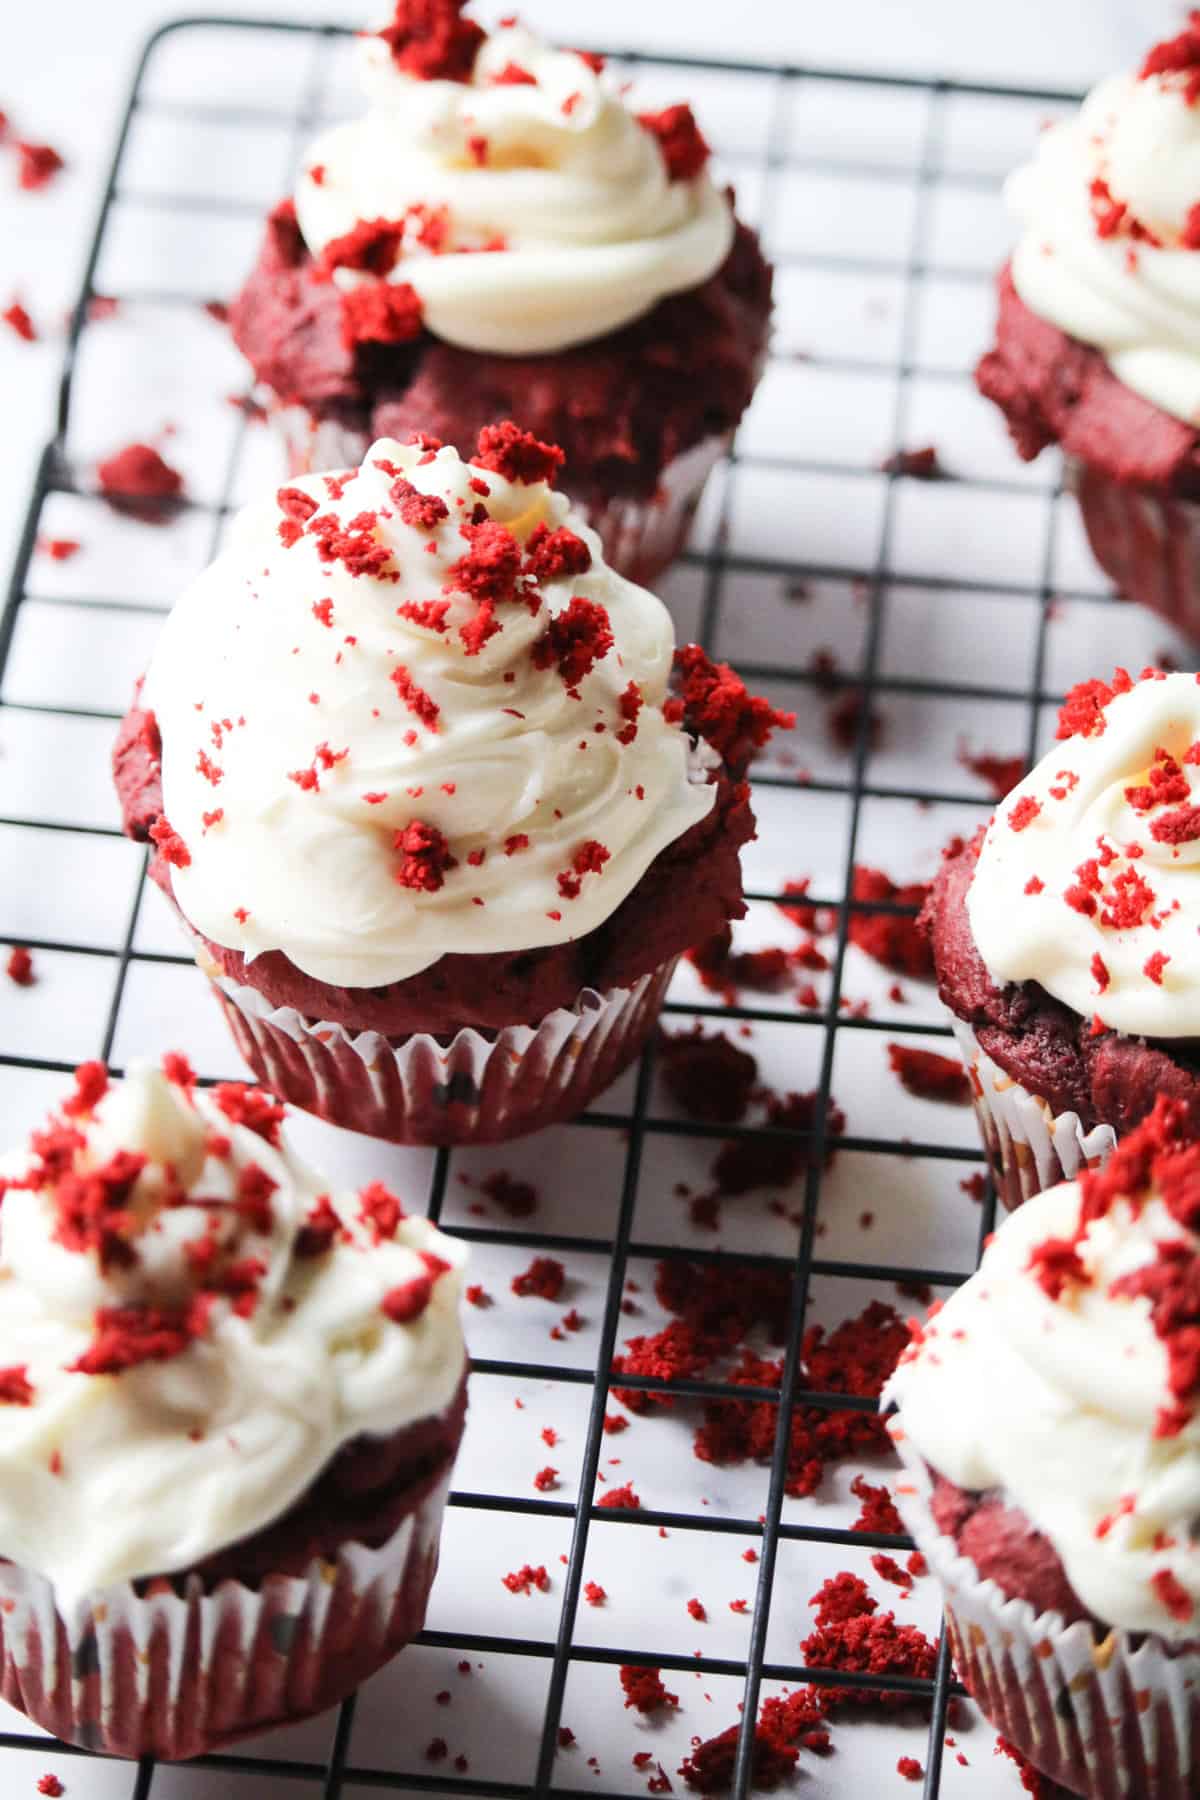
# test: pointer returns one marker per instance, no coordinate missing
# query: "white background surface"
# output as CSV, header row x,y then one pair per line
x,y
65,72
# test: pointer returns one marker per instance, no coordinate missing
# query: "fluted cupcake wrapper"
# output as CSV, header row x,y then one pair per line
x,y
174,1671
1029,1146
641,538
1117,1719
475,1087
1146,541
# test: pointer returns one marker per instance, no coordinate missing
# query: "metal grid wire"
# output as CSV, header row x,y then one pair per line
x,y
721,568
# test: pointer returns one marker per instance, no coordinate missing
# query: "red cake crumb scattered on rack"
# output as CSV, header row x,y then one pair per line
x,y
19,967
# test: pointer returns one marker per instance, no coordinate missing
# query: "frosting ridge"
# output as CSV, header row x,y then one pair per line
x,y
410,711
536,210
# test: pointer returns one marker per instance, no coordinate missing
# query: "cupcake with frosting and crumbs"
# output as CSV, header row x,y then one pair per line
x,y
1047,1420
230,1402
1098,336
1065,934
500,236
434,794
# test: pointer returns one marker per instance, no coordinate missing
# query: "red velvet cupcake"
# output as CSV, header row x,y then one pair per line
x,y
1098,338
429,795
1064,936
232,1405
1047,1420
501,238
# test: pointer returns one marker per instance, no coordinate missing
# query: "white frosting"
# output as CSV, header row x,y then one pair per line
x,y
105,1478
1055,1405
514,752
595,232
1081,787
1137,302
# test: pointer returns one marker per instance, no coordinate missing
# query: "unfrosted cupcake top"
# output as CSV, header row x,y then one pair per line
x,y
504,192
1110,209
410,711
1088,879
191,1328
1064,1376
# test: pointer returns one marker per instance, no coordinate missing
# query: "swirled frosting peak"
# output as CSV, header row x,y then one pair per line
x,y
1063,1375
506,190
1110,210
1088,879
410,711
191,1329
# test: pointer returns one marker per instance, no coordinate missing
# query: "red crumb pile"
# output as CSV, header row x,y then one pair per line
x,y
706,1074
644,1690
716,1308
891,938
851,1636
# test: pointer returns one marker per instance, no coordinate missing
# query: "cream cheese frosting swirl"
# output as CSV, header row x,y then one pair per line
x,y
558,218
191,1328
1109,242
1088,879
410,711
1056,1403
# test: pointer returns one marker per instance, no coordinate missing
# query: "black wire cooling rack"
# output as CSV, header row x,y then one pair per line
x,y
720,570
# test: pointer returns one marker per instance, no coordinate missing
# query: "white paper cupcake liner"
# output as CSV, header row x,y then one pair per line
x,y
1030,1147
1111,1720
174,1670
640,537
476,1087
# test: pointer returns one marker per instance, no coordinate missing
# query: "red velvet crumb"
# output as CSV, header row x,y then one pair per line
x,y
620,1499
922,463
1082,713
1001,773
706,1074
526,1578
19,967
518,1199
910,1768
36,164
555,555
644,1689
1179,55
20,321
425,858
15,1386
171,846
898,943
928,1075
542,1280
575,640
684,149
716,704
137,481
381,312
517,454
51,1785
430,39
